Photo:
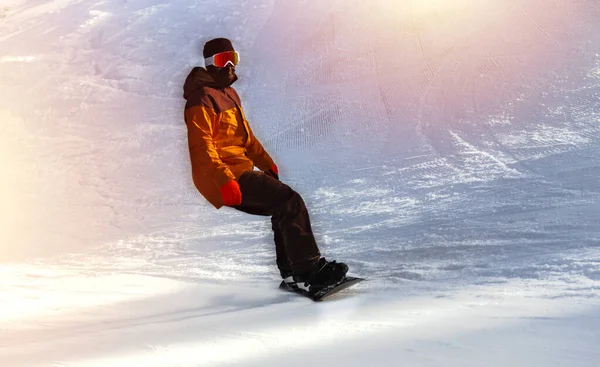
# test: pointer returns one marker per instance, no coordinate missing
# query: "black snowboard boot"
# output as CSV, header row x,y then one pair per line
x,y
288,277
325,273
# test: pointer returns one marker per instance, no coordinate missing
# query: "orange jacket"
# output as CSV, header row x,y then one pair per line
x,y
221,143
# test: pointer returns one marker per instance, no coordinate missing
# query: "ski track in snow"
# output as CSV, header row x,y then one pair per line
x,y
455,167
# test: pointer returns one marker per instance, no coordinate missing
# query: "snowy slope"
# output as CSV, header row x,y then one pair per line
x,y
447,150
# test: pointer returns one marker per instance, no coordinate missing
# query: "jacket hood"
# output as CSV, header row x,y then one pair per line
x,y
199,78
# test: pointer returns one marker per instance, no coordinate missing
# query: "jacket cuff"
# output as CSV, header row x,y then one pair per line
x,y
265,164
222,178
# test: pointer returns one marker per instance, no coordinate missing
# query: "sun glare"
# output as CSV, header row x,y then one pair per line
x,y
13,181
421,8
433,5
29,292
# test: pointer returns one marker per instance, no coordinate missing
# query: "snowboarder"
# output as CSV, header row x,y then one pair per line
x,y
224,151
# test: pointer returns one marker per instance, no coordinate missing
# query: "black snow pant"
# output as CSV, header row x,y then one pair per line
x,y
295,245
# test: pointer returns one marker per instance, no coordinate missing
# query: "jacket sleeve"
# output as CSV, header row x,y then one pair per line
x,y
257,153
200,121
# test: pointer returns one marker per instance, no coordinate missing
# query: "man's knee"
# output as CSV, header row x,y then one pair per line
x,y
293,204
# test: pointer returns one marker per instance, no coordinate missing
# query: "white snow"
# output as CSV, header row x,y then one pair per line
x,y
447,151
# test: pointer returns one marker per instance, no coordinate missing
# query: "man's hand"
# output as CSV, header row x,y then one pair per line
x,y
273,172
231,194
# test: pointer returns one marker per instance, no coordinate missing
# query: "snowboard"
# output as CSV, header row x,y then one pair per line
x,y
325,292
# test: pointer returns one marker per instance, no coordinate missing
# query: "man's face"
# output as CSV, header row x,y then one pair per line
x,y
228,70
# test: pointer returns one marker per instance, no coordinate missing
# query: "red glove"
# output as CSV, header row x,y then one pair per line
x,y
231,194
273,172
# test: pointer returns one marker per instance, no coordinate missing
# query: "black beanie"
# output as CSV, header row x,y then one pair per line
x,y
215,46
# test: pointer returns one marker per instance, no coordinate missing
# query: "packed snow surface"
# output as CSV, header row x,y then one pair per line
x,y
447,150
